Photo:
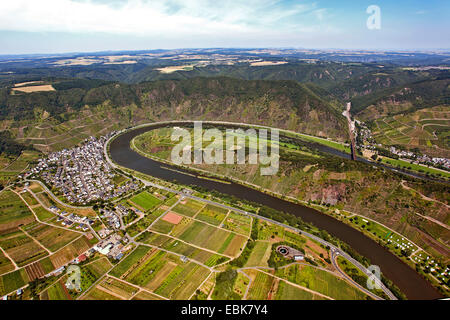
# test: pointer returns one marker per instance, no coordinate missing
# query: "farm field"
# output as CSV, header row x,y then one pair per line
x,y
51,237
99,294
212,214
161,272
144,295
176,246
21,163
29,198
36,270
70,252
171,222
320,281
5,264
12,281
211,238
238,223
117,288
139,226
172,69
426,129
145,200
21,248
29,89
260,254
13,212
43,214
58,291
287,291
163,226
98,267
47,265
132,259
188,207
261,287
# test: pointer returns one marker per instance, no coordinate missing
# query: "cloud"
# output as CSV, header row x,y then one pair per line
x,y
157,17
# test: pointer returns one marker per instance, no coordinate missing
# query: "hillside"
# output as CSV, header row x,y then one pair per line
x,y
408,97
51,120
339,184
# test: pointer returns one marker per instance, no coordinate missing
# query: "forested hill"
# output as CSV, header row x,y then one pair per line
x,y
406,98
284,104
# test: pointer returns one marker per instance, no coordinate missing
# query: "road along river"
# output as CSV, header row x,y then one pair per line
x,y
407,279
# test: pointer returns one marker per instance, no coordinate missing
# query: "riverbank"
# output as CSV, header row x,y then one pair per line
x,y
406,278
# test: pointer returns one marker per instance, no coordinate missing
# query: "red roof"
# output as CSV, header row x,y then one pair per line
x,y
82,258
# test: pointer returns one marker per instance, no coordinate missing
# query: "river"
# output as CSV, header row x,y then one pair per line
x,y
409,281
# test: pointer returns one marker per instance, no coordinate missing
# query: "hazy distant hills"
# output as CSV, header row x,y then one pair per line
x,y
300,90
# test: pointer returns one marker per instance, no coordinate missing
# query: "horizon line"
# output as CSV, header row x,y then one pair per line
x,y
392,50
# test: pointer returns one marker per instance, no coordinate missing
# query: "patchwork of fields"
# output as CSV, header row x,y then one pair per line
x,y
31,249
161,272
182,249
428,129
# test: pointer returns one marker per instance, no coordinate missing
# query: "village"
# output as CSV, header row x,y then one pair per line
x,y
81,174
365,140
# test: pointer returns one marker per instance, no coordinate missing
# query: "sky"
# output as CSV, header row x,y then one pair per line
x,y
58,26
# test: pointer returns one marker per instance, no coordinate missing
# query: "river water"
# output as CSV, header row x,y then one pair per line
x,y
409,281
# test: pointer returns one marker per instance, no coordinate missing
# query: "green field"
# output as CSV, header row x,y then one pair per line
x,y
190,208
57,292
129,261
99,267
97,294
162,226
238,223
141,225
320,281
259,256
12,210
426,129
145,200
13,281
5,264
51,237
287,291
260,287
212,214
397,163
120,288
43,214
47,265
206,236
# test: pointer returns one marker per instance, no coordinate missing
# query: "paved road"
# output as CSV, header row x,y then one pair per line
x,y
311,236
334,256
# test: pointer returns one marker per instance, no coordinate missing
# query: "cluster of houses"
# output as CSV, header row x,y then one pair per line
x,y
423,159
112,246
82,174
365,138
112,218
69,219
103,233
